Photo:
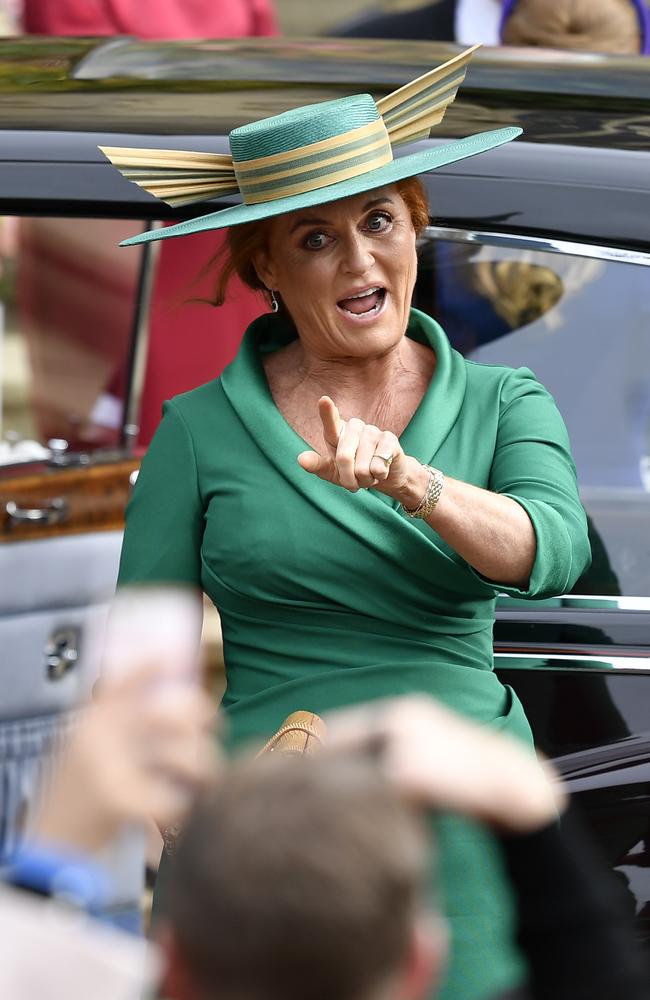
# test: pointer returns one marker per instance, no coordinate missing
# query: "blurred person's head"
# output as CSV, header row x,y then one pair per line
x,y
299,879
586,25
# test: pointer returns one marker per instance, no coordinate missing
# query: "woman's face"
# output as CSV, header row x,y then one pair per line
x,y
345,272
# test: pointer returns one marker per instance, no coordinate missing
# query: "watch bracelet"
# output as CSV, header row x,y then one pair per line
x,y
431,495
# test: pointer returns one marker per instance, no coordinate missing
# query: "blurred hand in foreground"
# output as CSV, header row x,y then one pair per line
x,y
440,760
134,755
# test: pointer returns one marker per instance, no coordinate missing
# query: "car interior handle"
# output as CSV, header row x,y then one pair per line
x,y
62,652
51,512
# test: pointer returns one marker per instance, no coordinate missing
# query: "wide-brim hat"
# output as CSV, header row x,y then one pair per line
x,y
308,156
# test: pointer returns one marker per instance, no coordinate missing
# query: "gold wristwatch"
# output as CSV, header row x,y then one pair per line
x,y
431,495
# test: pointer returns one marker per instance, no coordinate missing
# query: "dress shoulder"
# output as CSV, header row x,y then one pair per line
x,y
194,400
201,409
507,385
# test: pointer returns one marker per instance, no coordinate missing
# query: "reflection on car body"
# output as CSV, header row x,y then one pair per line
x,y
538,255
581,324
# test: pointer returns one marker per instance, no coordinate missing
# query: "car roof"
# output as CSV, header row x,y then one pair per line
x,y
581,171
123,84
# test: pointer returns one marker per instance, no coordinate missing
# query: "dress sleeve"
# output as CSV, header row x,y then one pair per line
x,y
533,465
164,517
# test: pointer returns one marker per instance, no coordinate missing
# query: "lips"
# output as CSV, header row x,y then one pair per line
x,y
366,301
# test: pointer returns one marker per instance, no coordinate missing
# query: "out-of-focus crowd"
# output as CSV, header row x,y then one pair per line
x,y
296,876
615,26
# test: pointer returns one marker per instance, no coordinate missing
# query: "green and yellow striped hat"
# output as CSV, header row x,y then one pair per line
x,y
308,156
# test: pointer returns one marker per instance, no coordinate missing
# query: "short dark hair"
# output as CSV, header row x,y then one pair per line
x,y
297,879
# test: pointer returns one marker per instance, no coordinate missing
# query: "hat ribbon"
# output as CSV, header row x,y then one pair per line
x,y
180,178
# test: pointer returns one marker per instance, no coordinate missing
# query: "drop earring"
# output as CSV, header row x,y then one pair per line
x,y
275,305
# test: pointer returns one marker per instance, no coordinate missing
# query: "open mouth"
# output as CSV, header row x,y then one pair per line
x,y
367,302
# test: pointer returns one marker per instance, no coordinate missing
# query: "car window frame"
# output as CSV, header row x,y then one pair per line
x,y
625,628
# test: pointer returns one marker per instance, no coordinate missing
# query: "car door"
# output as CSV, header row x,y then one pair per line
x,y
70,305
578,315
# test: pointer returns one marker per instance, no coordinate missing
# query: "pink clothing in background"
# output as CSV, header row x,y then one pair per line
x,y
150,18
188,344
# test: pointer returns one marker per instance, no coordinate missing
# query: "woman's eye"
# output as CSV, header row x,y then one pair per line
x,y
378,221
316,241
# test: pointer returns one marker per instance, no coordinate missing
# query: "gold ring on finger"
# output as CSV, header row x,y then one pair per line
x,y
385,458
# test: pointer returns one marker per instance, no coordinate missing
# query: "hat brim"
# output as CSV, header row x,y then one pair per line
x,y
404,166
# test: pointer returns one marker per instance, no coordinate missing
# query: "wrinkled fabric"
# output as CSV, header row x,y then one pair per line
x,y
329,598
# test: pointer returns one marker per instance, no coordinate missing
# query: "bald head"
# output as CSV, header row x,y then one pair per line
x,y
584,25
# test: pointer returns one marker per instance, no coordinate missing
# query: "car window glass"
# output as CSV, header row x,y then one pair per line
x,y
582,326
67,299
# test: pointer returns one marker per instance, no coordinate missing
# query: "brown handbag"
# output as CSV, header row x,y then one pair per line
x,y
301,732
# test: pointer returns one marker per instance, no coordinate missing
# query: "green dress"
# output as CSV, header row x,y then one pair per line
x,y
329,598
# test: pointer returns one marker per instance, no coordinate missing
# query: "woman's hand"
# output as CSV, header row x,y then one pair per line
x,y
359,455
493,533
440,760
135,754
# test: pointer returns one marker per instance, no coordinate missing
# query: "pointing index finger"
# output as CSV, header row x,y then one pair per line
x,y
331,420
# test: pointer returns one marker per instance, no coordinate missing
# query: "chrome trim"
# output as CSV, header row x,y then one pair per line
x,y
61,653
623,602
600,664
50,512
586,602
139,341
488,238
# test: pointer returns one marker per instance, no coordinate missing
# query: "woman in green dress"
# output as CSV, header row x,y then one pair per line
x,y
352,493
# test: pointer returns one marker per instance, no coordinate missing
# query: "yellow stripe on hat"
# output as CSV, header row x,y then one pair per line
x,y
177,177
186,194
125,156
408,133
408,110
413,88
323,161
314,184
375,127
315,165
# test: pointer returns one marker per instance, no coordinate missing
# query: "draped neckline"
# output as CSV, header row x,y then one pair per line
x,y
247,389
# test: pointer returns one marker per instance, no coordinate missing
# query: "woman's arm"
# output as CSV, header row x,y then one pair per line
x,y
164,518
526,533
493,533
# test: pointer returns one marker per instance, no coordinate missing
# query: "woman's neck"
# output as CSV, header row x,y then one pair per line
x,y
362,381
384,390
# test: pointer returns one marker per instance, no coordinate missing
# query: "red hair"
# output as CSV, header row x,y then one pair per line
x,y
245,242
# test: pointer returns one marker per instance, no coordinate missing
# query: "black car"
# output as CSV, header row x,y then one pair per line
x,y
538,254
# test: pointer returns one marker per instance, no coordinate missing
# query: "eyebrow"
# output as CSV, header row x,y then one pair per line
x,y
313,221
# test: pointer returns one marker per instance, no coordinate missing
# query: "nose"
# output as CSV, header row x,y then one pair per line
x,y
357,256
